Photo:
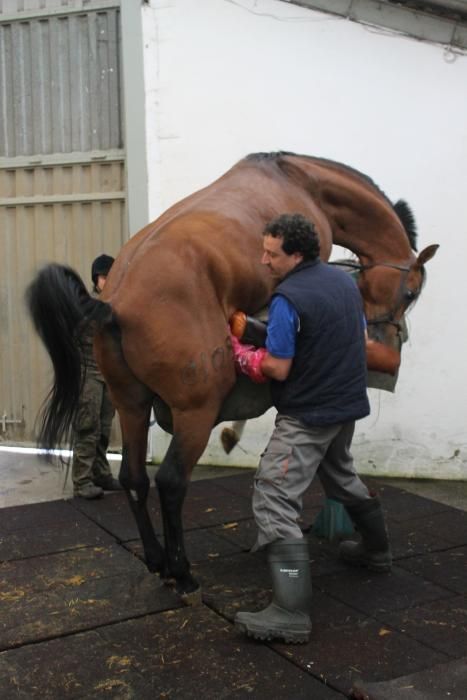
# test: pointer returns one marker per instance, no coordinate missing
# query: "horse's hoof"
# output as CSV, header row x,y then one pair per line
x,y
193,598
153,567
168,581
229,439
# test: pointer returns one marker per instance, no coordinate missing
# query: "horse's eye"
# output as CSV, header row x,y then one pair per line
x,y
410,295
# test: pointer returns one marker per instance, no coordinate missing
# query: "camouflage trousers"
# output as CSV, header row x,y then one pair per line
x,y
92,433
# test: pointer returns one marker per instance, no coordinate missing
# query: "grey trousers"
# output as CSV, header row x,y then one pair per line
x,y
295,453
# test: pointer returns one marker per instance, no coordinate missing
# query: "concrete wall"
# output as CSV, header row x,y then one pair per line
x,y
228,77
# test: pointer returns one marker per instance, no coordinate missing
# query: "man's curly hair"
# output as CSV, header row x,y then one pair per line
x,y
298,235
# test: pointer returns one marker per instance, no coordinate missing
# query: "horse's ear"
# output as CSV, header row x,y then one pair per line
x,y
426,254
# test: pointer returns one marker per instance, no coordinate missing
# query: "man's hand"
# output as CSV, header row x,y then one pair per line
x,y
248,360
381,358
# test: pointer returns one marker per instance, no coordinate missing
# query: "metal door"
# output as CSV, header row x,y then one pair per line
x,y
62,192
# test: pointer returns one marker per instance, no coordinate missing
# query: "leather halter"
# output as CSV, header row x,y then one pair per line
x,y
387,318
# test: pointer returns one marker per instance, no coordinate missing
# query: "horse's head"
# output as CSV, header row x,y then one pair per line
x,y
388,290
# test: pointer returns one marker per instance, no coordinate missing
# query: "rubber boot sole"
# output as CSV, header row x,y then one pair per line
x,y
268,634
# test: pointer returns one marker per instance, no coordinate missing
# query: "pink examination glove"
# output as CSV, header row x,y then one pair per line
x,y
248,360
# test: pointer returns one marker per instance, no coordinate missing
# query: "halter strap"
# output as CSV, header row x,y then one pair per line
x,y
388,318
359,266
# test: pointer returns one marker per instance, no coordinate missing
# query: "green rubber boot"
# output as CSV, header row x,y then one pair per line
x,y
288,615
373,550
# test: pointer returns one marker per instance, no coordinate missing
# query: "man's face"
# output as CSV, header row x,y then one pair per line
x,y
101,280
279,263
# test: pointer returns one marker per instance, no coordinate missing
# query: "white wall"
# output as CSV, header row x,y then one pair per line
x,y
228,77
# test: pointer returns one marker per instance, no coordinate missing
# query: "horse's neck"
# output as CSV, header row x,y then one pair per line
x,y
361,218
364,227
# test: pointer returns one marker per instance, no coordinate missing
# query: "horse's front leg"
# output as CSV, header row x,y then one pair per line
x,y
134,479
230,436
191,433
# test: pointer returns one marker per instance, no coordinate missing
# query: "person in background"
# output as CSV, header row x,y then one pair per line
x,y
315,358
90,468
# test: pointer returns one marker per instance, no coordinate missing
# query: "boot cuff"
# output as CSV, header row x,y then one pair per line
x,y
295,549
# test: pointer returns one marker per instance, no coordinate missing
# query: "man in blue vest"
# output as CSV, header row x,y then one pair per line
x,y
315,357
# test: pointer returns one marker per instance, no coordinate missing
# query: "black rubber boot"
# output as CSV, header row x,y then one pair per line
x,y
288,615
373,551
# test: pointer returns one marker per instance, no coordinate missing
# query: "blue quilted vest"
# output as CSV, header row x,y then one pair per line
x,y
327,381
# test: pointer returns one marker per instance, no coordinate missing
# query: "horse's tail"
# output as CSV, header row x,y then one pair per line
x,y
61,308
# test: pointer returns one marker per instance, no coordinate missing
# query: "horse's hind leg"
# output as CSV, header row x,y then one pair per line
x,y
134,479
133,402
190,436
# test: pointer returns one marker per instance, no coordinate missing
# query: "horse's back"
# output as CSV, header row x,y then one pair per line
x,y
220,226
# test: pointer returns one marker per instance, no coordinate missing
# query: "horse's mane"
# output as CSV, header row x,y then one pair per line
x,y
401,208
405,214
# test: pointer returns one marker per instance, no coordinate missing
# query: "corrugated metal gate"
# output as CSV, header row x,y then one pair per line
x,y
62,193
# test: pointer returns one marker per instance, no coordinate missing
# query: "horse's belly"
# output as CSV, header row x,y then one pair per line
x,y
246,400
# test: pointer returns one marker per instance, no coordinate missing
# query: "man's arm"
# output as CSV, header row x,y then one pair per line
x,y
275,367
275,361
283,326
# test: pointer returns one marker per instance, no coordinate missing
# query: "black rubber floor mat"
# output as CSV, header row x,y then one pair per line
x,y
185,654
445,681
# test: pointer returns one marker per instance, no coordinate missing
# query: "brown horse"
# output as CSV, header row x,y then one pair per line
x,y
161,329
